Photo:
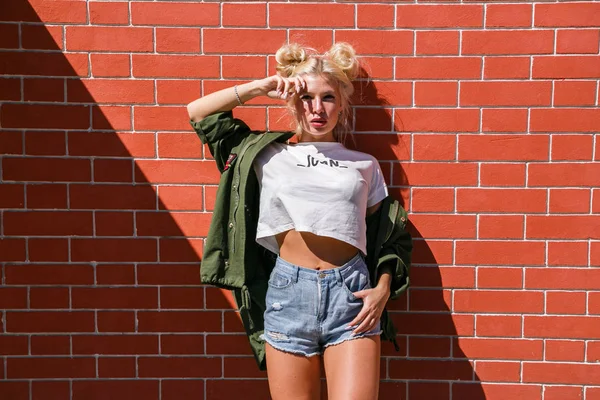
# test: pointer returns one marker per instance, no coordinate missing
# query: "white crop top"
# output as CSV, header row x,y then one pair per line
x,y
317,187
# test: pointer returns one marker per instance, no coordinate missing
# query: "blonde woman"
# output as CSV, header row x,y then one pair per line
x,y
289,230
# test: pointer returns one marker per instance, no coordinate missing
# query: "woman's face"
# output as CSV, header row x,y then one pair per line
x,y
318,109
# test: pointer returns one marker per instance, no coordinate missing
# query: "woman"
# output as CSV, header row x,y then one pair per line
x,y
314,198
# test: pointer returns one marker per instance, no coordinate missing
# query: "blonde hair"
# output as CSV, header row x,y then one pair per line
x,y
339,66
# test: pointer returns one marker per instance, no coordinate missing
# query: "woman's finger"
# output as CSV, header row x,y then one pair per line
x,y
279,84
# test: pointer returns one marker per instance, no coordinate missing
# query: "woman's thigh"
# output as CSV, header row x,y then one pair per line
x,y
352,369
291,376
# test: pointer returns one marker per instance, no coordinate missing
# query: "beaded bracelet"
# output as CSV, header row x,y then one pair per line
x,y
237,96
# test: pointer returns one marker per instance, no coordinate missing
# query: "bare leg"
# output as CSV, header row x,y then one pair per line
x,y
352,369
293,377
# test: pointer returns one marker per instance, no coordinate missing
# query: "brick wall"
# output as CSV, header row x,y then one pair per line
x,y
484,117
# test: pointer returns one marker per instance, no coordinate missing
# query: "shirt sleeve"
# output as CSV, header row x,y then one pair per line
x,y
221,132
378,189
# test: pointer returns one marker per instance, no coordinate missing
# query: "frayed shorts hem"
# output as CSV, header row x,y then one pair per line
x,y
346,339
290,351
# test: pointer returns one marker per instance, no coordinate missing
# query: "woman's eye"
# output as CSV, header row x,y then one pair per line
x,y
329,97
305,97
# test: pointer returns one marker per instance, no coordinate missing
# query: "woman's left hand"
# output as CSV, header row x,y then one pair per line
x,y
373,304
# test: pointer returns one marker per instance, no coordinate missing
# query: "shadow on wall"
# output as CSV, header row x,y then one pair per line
x,y
101,242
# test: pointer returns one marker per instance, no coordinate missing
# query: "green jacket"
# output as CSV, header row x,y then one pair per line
x,y
233,260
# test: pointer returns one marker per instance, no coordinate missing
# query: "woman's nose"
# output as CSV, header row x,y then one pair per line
x,y
317,105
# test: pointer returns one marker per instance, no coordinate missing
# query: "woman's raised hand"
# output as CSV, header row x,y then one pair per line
x,y
278,87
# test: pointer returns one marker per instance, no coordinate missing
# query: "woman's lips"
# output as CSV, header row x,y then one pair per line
x,y
318,123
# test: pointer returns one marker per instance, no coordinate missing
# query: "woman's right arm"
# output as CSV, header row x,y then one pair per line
x,y
225,100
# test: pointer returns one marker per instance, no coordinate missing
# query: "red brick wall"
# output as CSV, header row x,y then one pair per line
x,y
484,117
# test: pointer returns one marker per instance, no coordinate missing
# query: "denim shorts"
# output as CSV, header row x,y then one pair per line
x,y
308,310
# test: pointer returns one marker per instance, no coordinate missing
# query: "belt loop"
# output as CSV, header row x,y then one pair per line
x,y
338,276
296,273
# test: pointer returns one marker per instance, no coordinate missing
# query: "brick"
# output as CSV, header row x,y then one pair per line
x,y
436,93
243,67
180,250
575,327
494,200
311,15
378,42
226,389
177,172
501,227
179,321
320,39
567,253
48,223
504,120
105,389
241,367
115,275
375,15
569,200
177,40
556,227
227,344
433,324
40,37
113,171
114,298
109,13
498,67
429,300
496,301
561,373
12,250
577,41
51,368
430,369
50,345
505,93
181,389
496,391
508,42
179,145
177,91
431,200
433,252
46,11
112,197
565,303
432,174
500,252
498,371
111,117
246,41
596,200
11,142
499,278
172,224
565,67
182,344
181,298
564,174
437,120
45,116
126,145
593,351
45,143
13,298
177,367
244,14
180,198
48,298
175,13
9,36
574,93
109,39
10,89
110,91
163,118
498,325
48,321
167,274
116,321
438,16
506,349
41,89
12,196
419,390
43,64
49,274
389,93
561,278
508,15
116,367
592,393
110,65
48,249
577,14
114,250
572,147
445,226
563,392
437,43
429,347
503,147
438,67
15,390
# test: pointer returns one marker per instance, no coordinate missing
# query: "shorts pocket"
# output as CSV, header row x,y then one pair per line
x,y
279,280
355,281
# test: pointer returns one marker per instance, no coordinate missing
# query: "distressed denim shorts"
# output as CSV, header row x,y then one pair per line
x,y
308,310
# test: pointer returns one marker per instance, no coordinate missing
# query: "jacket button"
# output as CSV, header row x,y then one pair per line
x,y
231,224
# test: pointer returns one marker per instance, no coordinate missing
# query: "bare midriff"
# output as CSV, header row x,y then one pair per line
x,y
312,251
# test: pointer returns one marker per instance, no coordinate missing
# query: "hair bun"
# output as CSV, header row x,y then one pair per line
x,y
288,56
344,56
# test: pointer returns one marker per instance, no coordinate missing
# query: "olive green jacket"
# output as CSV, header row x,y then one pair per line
x,y
233,260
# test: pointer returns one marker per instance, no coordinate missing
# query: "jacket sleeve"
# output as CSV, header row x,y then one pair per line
x,y
395,256
221,132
